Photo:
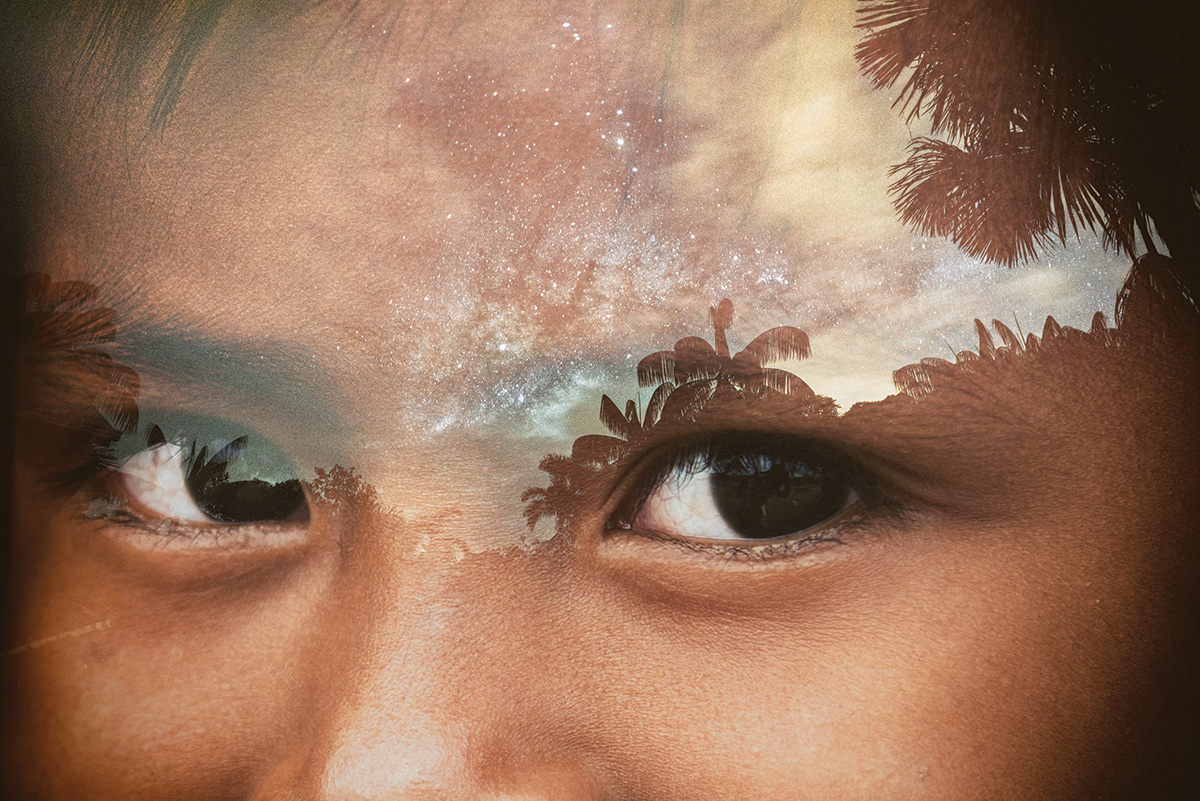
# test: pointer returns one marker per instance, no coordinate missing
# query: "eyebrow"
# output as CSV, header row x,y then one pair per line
x,y
118,38
199,21
274,373
121,36
129,327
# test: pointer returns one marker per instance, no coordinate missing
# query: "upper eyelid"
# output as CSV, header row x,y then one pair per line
x,y
850,438
866,509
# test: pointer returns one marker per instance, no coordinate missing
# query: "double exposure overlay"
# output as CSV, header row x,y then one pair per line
x,y
680,400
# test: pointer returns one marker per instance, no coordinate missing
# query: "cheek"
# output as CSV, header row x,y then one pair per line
x,y
126,690
1026,654
952,661
958,660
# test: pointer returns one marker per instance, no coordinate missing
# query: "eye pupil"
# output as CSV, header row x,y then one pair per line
x,y
763,496
229,486
249,501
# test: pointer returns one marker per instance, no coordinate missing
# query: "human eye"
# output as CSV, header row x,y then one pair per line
x,y
243,480
113,471
741,489
737,489
193,482
731,457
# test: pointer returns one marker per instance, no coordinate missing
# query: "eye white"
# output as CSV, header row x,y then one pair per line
x,y
683,504
155,479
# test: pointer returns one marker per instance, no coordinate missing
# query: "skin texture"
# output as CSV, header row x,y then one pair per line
x,y
1009,616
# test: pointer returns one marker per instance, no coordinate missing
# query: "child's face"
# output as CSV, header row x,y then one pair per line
x,y
419,245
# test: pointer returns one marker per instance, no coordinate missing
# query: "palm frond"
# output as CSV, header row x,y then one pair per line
x,y
596,449
1100,330
784,382
557,465
776,345
969,63
873,14
695,360
1010,340
688,400
987,348
1054,120
893,42
988,203
533,493
914,380
655,406
538,504
613,420
657,368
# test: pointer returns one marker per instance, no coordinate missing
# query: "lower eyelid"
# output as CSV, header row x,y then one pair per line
x,y
159,557
132,528
838,534
176,538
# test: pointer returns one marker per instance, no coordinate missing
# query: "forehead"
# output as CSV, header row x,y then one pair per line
x,y
469,221
523,174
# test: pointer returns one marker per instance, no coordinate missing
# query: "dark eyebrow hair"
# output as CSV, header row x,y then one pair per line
x,y
123,35
200,18
118,38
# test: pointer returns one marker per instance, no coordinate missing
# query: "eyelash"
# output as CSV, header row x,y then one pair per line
x,y
764,552
164,534
95,467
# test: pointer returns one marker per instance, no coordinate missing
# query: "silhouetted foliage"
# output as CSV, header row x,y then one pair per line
x,y
1152,304
63,373
693,359
1055,116
344,488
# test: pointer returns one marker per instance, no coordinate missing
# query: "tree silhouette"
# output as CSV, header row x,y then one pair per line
x,y
1153,318
1053,116
63,372
693,359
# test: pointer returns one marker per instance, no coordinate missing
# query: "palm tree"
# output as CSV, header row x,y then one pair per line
x,y
693,359
1048,118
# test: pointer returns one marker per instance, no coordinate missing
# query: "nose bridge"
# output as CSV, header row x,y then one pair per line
x,y
434,688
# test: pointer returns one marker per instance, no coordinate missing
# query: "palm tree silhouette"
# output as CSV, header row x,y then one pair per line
x,y
64,371
1053,116
693,359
